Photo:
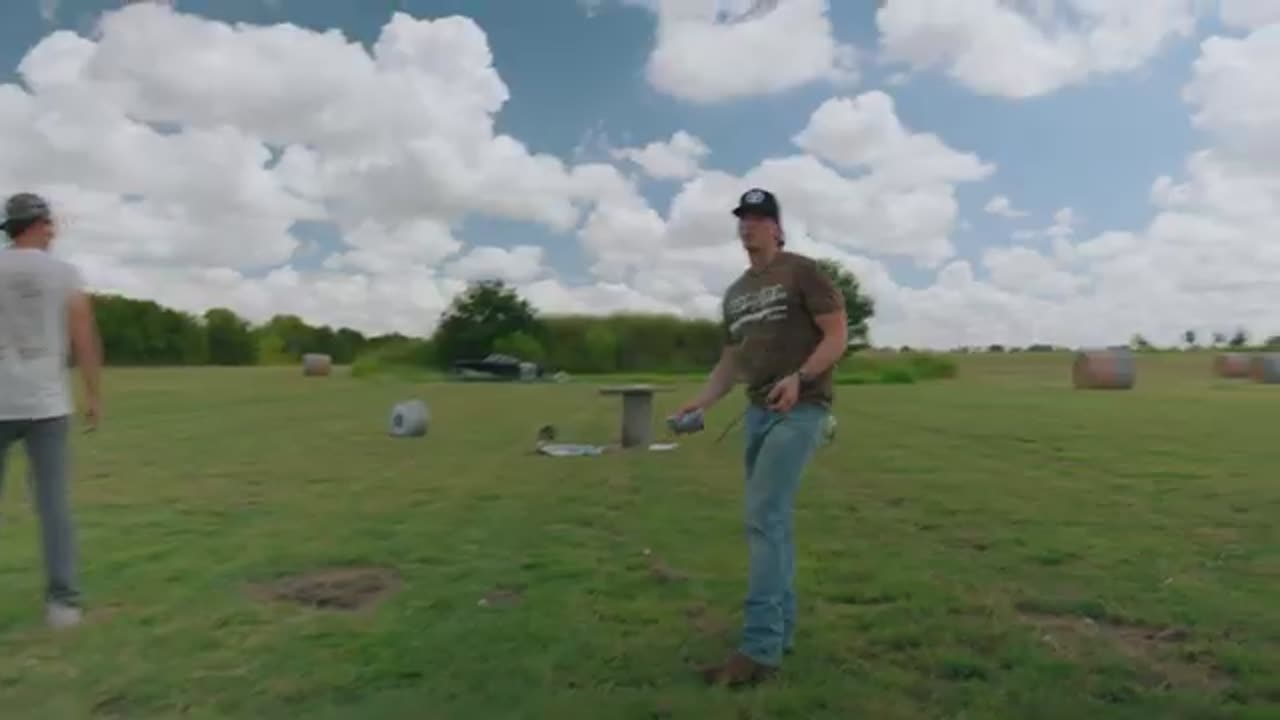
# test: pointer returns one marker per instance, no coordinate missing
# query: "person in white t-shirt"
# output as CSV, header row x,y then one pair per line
x,y
44,312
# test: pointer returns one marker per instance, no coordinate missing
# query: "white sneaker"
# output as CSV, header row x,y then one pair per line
x,y
63,616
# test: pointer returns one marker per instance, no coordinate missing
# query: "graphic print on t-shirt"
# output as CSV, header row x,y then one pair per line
x,y
768,317
23,304
766,304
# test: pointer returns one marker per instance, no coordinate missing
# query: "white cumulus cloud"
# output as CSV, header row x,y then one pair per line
x,y
676,158
1002,206
1028,48
701,59
195,193
190,192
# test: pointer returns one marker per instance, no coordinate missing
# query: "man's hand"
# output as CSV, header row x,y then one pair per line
x,y
92,414
721,381
691,406
784,394
86,343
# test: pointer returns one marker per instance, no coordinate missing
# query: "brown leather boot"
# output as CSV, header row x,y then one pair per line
x,y
738,671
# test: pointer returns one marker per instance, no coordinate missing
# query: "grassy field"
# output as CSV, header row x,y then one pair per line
x,y
996,546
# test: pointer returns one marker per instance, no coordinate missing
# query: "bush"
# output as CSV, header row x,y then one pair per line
x,y
931,367
401,357
521,345
631,343
899,369
896,376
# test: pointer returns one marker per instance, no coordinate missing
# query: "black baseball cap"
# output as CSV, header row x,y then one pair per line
x,y
757,201
24,207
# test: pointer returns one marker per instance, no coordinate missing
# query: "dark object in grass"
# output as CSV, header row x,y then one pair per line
x,y
1265,368
347,588
1159,654
502,597
409,419
1232,365
1112,369
664,573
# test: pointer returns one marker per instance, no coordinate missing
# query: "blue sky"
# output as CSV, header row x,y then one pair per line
x,y
579,88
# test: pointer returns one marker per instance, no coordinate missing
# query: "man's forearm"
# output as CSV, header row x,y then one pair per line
x,y
722,379
91,376
829,351
89,357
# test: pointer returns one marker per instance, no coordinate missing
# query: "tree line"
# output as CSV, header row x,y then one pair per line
x,y
1237,340
490,317
143,332
487,317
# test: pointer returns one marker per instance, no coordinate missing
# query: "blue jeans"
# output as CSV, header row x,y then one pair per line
x,y
778,448
46,442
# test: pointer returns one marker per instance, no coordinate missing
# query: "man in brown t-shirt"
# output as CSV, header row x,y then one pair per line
x,y
785,328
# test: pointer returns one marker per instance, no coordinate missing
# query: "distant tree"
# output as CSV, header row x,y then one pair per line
x,y
1273,341
521,345
600,348
996,348
1219,339
142,332
1190,337
1240,339
285,338
859,308
478,316
230,338
1140,343
347,344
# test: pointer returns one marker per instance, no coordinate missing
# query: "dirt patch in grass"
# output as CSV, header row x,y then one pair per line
x,y
348,589
101,614
1165,656
503,597
112,707
705,621
664,573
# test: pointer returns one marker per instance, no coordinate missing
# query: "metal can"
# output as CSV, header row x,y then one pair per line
x,y
690,422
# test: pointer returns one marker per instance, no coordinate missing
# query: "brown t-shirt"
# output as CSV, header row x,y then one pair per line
x,y
768,316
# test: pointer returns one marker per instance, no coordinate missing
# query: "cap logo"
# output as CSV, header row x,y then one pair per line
x,y
753,197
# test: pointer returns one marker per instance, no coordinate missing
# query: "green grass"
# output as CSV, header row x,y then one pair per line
x,y
857,369
988,547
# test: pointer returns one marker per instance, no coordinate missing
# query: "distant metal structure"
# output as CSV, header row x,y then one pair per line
x,y
739,11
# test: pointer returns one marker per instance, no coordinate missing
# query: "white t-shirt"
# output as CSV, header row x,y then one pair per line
x,y
34,291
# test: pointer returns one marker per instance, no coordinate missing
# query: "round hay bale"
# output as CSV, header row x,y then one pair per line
x,y
1265,368
1232,365
316,364
1114,369
409,419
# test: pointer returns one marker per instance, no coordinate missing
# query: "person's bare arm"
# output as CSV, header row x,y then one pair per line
x,y
826,307
835,340
723,377
87,346
835,334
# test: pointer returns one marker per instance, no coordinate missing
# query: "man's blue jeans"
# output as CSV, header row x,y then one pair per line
x,y
778,449
46,444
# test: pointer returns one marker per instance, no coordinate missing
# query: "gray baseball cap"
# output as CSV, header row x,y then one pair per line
x,y
24,206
